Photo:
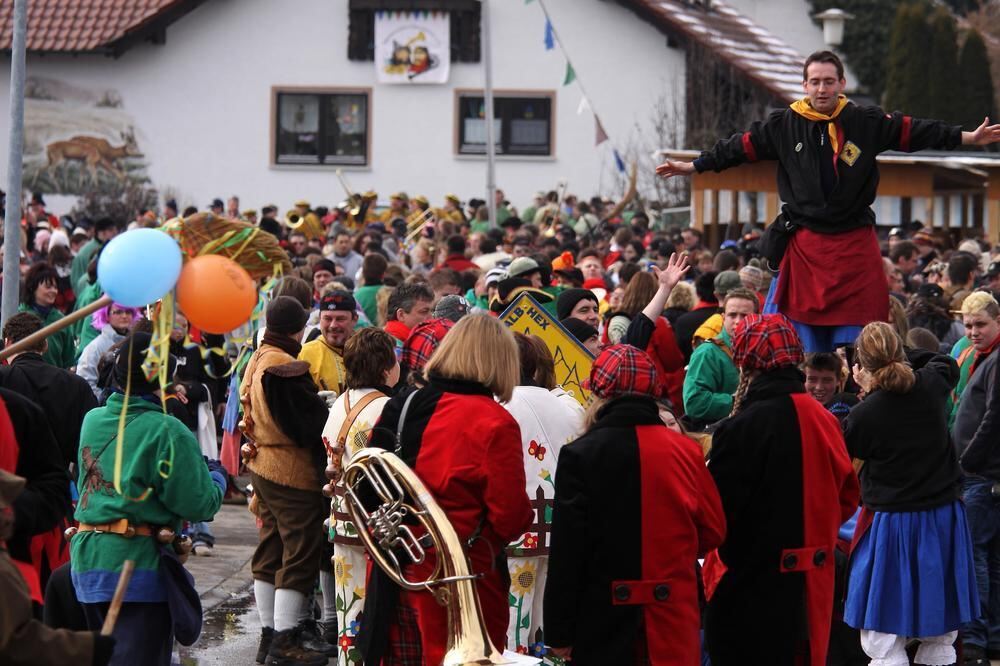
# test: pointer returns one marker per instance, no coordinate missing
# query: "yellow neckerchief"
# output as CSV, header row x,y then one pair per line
x,y
804,109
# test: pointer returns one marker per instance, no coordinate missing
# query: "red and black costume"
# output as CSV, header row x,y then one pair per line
x,y
786,482
634,509
466,449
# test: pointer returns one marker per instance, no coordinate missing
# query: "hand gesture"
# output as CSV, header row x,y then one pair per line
x,y
985,134
677,268
675,168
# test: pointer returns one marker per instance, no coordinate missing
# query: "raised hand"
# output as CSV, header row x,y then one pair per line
x,y
984,135
677,268
675,168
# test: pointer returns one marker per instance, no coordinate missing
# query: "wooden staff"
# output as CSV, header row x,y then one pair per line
x,y
116,601
32,340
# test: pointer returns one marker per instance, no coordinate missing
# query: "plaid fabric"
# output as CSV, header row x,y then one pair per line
x,y
422,341
404,639
766,342
623,370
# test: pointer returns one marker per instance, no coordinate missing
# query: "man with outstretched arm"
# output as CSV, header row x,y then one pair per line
x,y
826,147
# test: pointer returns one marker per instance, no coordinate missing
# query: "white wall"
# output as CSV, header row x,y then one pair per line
x,y
202,102
791,21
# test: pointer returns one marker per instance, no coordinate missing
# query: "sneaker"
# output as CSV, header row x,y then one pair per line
x,y
311,637
266,635
286,651
201,549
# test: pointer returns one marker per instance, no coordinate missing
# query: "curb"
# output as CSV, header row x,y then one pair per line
x,y
236,585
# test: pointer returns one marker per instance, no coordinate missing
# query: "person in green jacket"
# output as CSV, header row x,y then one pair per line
x,y
164,480
372,271
712,376
104,230
38,295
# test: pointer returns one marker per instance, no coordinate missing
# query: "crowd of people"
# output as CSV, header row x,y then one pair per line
x,y
747,482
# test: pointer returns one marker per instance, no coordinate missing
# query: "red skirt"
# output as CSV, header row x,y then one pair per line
x,y
833,279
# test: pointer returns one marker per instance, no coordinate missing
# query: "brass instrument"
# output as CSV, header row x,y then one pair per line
x,y
309,224
388,532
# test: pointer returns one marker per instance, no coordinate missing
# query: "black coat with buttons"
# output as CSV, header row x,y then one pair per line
x,y
634,508
787,484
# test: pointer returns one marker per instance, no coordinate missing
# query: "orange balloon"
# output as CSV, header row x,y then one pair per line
x,y
215,293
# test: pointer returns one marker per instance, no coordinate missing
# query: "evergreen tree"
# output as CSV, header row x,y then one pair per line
x,y
908,62
975,82
942,74
866,39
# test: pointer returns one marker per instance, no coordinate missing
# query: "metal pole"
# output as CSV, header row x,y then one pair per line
x,y
15,148
491,153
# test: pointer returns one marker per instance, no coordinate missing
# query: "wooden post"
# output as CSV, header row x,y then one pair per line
x,y
733,230
713,230
119,597
56,326
770,207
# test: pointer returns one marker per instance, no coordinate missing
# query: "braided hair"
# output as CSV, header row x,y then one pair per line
x,y
746,376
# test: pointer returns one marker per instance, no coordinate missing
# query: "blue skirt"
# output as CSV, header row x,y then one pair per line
x,y
912,574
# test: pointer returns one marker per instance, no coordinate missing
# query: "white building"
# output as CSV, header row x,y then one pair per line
x,y
267,99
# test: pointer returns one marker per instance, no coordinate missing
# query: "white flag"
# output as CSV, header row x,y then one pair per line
x,y
412,47
584,105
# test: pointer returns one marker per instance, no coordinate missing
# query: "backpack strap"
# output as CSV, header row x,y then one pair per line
x,y
353,413
402,420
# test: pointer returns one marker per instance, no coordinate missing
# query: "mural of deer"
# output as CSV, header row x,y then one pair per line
x,y
92,153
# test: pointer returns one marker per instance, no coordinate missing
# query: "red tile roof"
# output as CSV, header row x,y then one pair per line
x,y
760,55
85,25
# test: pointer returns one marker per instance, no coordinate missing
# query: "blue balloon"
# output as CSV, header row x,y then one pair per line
x,y
139,267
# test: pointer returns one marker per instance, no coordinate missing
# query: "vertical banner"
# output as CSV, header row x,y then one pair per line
x,y
412,47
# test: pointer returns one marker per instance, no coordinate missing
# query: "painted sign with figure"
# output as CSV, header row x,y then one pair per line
x,y
412,47
571,359
78,140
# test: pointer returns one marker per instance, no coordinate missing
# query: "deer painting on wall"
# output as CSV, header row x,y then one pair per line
x,y
92,153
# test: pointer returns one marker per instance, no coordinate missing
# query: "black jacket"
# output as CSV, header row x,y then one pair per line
x,y
976,430
63,396
910,464
687,324
782,471
819,193
45,501
633,502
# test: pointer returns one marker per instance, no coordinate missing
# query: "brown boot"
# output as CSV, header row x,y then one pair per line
x,y
285,651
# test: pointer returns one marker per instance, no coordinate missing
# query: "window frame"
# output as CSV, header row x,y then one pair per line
x,y
278,90
498,94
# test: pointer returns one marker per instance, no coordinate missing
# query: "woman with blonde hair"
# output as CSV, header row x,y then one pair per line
x,y
911,572
466,448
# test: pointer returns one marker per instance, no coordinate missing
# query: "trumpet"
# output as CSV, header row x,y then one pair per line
x,y
389,532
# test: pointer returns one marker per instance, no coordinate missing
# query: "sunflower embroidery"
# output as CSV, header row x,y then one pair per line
x,y
341,571
523,580
537,450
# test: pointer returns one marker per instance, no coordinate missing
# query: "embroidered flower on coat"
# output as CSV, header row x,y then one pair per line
x,y
530,541
523,580
537,450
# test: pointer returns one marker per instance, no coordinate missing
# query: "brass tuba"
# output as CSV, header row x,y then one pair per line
x,y
387,532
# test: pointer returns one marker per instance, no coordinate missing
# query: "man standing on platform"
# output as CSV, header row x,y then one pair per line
x,y
826,147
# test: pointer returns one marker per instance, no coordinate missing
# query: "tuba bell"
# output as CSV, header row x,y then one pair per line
x,y
391,532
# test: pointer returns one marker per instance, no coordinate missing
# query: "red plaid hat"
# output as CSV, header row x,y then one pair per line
x,y
422,341
766,342
623,370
